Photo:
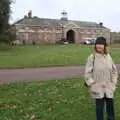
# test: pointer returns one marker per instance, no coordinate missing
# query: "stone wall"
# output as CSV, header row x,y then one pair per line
x,y
94,33
50,34
115,37
39,35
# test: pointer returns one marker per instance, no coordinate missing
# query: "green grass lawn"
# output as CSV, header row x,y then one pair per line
x,y
48,55
49,100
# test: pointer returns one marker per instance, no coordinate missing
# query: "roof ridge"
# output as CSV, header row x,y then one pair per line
x,y
83,21
54,22
67,20
46,18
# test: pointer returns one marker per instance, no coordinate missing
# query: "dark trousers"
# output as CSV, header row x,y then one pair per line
x,y
100,103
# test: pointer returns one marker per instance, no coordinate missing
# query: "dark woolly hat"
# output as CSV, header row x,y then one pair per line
x,y
101,41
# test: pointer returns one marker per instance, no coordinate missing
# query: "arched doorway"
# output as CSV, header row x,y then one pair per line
x,y
71,36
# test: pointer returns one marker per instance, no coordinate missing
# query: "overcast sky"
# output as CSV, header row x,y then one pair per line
x,y
106,11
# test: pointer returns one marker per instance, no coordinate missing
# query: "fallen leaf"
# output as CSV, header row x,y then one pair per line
x,y
33,117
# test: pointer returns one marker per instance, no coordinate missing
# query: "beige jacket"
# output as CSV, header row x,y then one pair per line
x,y
101,75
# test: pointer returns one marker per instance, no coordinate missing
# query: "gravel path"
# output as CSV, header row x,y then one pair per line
x,y
42,73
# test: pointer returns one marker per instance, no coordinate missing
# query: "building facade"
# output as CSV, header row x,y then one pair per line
x,y
115,37
34,30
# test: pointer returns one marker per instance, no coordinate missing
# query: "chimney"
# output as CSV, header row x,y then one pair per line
x,y
25,16
30,14
101,24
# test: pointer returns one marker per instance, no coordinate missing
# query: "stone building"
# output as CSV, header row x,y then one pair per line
x,y
34,30
115,37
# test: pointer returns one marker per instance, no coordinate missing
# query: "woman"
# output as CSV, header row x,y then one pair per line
x,y
101,77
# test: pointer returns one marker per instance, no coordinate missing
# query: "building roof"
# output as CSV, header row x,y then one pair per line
x,y
35,21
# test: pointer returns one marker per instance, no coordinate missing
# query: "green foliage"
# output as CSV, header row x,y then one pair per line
x,y
6,34
9,35
4,14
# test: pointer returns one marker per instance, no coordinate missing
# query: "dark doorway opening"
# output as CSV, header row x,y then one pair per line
x,y
71,36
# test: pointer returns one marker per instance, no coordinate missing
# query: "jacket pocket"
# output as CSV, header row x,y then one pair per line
x,y
95,89
111,87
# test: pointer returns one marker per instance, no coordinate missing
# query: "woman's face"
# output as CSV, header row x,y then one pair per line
x,y
100,48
